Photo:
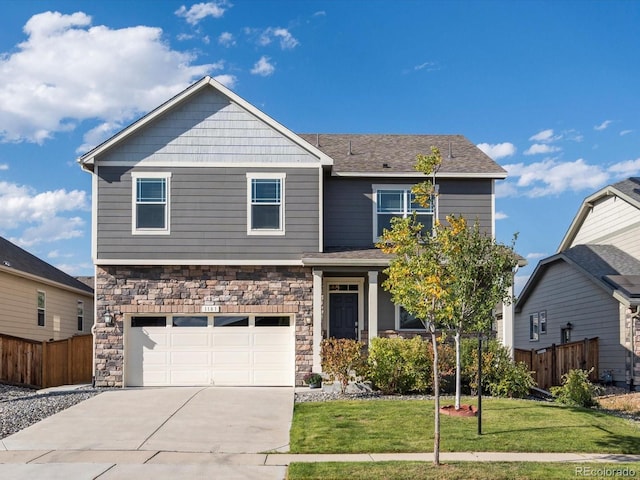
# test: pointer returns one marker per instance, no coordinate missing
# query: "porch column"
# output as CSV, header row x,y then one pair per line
x,y
317,319
507,324
373,305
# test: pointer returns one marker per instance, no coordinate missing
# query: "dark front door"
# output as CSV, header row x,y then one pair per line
x,y
343,315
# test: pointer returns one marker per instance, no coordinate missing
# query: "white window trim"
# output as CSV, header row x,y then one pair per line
x,y
134,211
397,313
80,314
534,321
392,186
327,281
44,308
266,176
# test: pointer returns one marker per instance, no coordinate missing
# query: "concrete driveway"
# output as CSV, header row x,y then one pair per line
x,y
190,432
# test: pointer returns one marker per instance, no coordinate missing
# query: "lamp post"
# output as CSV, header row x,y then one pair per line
x,y
479,383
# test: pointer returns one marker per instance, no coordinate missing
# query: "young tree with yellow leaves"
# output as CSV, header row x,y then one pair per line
x,y
451,278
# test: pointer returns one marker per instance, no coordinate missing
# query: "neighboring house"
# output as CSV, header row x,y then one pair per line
x,y
591,287
227,247
38,301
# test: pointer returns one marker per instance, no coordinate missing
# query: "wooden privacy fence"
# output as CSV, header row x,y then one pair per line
x,y
46,364
550,363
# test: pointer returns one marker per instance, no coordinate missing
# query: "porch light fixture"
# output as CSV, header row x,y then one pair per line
x,y
569,326
108,317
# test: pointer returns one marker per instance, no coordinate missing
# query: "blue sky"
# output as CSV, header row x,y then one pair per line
x,y
548,89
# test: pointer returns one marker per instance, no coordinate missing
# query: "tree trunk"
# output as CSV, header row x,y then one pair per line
x,y
458,371
436,394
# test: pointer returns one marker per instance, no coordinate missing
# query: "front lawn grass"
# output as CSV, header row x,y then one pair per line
x,y
508,425
456,470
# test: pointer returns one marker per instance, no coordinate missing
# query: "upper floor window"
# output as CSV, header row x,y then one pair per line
x,y
42,297
397,201
151,202
265,203
80,314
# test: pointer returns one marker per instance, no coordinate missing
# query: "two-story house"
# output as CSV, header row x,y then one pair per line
x,y
591,286
38,301
227,247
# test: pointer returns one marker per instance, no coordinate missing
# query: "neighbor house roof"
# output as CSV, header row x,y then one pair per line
x,y
17,261
395,155
628,190
613,270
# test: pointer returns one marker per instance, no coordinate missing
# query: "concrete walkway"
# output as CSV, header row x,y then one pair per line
x,y
169,433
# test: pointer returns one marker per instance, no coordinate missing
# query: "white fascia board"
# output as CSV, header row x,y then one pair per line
x,y
208,163
344,262
89,157
156,262
45,281
419,175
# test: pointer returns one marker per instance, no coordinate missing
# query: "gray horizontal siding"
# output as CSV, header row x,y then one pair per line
x,y
205,128
569,296
208,216
348,204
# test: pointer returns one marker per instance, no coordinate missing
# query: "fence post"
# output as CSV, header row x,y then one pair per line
x,y
554,365
45,372
69,361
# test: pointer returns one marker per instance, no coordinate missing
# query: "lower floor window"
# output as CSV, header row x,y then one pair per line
x,y
216,321
407,321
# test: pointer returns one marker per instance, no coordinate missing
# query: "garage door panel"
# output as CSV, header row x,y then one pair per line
x,y
224,339
200,359
272,339
190,377
242,359
181,339
232,377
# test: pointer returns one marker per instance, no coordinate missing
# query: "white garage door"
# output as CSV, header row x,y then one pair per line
x,y
210,350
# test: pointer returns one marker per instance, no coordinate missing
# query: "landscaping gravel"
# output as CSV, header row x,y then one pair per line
x,y
21,407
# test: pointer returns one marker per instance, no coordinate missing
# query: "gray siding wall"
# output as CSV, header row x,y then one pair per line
x,y
208,216
569,296
348,205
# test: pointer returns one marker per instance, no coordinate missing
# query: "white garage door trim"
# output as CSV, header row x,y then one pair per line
x,y
231,350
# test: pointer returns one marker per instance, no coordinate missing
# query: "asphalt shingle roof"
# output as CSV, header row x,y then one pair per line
x,y
602,260
630,187
370,152
14,257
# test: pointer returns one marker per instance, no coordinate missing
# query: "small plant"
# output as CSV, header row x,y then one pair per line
x,y
342,359
576,389
312,379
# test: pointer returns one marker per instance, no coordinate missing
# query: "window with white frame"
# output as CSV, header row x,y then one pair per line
x,y
150,202
265,203
534,320
407,321
42,304
397,201
80,315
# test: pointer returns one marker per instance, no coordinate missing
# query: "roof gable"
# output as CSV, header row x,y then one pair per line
x,y
606,266
217,101
14,259
627,190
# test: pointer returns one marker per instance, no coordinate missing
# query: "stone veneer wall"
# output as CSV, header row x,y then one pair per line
x,y
182,289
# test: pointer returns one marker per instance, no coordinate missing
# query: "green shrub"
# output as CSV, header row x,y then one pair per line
x,y
500,376
576,389
398,365
342,359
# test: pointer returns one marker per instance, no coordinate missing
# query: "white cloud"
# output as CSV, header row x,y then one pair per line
x,y
501,216
498,150
535,255
63,73
227,80
539,148
263,67
200,11
603,125
267,36
320,13
550,177
75,269
428,66
57,254
43,214
519,281
545,136
226,39
4,166
625,132
627,168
